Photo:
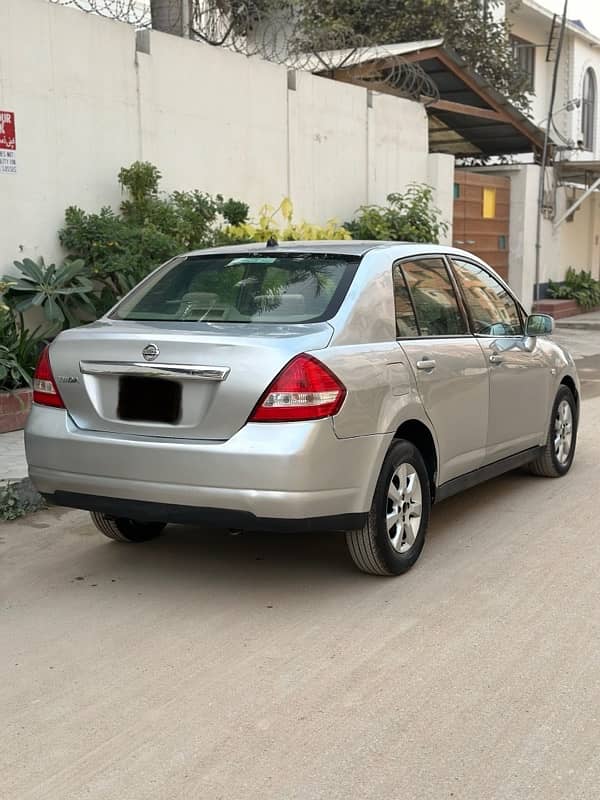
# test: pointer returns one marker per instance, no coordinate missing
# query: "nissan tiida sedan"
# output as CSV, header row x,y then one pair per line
x,y
302,386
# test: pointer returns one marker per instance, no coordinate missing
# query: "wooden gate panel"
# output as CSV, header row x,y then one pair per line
x,y
484,237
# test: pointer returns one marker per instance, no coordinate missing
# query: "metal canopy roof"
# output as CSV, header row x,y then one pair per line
x,y
467,116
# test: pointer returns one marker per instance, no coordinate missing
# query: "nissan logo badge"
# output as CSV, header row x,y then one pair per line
x,y
150,352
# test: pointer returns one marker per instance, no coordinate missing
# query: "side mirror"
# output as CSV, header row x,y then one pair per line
x,y
539,325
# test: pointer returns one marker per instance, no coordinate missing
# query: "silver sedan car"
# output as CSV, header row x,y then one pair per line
x,y
309,385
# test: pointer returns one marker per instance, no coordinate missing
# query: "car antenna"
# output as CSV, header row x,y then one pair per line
x,y
272,242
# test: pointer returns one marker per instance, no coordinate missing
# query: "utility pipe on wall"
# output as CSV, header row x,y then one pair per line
x,y
538,234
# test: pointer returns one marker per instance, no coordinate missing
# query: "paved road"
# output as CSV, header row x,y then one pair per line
x,y
266,668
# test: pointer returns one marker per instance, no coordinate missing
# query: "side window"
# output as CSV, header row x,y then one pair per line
x,y
433,298
406,324
493,311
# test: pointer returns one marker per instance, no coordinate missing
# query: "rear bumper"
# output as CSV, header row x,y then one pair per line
x,y
214,517
275,476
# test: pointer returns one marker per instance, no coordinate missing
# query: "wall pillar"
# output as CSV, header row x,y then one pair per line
x,y
440,176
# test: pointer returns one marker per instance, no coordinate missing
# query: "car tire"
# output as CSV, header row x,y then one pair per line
x,y
382,547
126,530
554,462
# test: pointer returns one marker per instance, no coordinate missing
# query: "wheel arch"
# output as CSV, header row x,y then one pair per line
x,y
568,381
416,432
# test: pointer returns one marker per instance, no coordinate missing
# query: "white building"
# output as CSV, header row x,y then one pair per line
x,y
570,232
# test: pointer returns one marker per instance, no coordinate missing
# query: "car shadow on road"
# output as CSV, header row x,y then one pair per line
x,y
189,557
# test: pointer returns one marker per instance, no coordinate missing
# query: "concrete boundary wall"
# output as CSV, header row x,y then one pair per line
x,y
87,101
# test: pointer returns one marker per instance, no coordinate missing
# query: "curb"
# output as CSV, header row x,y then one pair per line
x,y
578,326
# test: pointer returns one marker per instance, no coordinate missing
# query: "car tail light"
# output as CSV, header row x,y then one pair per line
x,y
45,392
304,389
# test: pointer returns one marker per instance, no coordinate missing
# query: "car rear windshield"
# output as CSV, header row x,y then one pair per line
x,y
281,288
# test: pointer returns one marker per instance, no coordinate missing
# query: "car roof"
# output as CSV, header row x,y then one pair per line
x,y
335,247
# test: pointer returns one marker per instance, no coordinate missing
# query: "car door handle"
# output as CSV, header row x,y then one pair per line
x,y
496,359
426,363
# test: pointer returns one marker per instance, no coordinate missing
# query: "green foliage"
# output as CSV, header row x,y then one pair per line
x,y
408,217
121,249
19,351
61,292
141,180
14,504
467,26
268,227
12,374
116,253
578,286
19,346
235,212
190,219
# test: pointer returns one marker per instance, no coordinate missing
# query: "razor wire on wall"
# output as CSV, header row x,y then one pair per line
x,y
276,34
134,12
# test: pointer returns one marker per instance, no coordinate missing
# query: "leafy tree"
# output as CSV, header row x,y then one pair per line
x,y
467,26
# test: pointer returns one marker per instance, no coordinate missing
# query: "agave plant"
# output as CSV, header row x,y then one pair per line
x,y
61,292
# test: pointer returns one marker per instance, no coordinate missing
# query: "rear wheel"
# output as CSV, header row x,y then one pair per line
x,y
559,450
126,530
393,536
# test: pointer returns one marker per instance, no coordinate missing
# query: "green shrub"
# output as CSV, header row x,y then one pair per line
x,y
19,351
579,286
268,227
408,217
12,374
121,249
117,255
193,219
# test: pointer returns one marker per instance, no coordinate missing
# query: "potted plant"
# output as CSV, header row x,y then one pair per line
x,y
19,349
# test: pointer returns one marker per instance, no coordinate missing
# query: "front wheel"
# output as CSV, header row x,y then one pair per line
x,y
393,536
126,530
559,450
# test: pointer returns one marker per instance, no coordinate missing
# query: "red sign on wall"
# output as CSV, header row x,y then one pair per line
x,y
8,143
8,138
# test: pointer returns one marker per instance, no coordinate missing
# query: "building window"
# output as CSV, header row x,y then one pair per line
x,y
588,112
457,191
524,55
489,203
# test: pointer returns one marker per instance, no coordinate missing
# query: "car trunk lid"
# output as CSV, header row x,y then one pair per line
x,y
174,380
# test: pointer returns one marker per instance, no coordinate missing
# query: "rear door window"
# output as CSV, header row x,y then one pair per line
x,y
281,288
433,298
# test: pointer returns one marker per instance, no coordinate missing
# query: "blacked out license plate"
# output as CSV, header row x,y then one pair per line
x,y
149,400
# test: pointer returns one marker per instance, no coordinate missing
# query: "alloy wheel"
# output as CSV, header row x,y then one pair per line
x,y
404,508
563,432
